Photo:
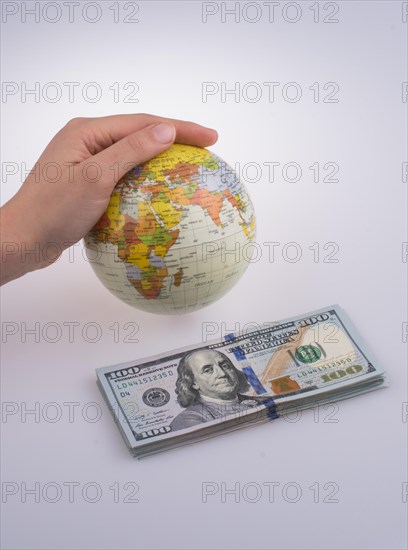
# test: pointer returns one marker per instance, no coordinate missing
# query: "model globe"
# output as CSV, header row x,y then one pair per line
x,y
177,233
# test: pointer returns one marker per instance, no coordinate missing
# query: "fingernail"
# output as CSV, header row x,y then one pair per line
x,y
215,132
164,133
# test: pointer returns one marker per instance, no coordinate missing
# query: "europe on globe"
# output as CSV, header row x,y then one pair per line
x,y
177,233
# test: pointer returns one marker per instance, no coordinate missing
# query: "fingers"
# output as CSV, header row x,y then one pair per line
x,y
194,134
119,126
132,150
125,141
105,131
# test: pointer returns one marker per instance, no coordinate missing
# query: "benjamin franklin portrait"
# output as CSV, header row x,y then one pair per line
x,y
209,387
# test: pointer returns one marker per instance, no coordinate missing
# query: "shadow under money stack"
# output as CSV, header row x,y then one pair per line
x,y
197,392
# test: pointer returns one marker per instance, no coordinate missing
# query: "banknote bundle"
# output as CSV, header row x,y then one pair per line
x,y
200,391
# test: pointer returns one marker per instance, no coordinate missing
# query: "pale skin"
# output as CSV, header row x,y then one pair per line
x,y
88,156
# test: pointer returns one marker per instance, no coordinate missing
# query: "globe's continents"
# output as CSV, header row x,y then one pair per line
x,y
177,233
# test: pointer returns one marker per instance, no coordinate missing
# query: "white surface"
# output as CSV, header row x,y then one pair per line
x,y
170,53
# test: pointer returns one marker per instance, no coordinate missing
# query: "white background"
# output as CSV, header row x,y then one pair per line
x,y
362,445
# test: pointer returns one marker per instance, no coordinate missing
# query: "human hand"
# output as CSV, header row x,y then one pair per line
x,y
69,188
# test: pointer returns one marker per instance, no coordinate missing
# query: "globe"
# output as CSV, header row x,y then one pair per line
x,y
177,233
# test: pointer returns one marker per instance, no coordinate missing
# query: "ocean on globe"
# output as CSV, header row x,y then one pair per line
x,y
177,233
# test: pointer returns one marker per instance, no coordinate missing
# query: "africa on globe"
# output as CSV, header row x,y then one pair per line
x,y
176,234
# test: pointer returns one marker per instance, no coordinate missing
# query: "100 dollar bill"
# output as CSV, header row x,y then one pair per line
x,y
201,390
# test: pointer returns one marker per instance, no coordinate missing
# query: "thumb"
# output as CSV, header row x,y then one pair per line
x,y
132,150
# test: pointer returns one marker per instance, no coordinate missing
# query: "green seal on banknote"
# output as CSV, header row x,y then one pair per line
x,y
308,354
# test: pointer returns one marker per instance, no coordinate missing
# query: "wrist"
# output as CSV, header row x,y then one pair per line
x,y
22,245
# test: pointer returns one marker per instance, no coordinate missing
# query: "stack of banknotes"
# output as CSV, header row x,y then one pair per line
x,y
189,394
